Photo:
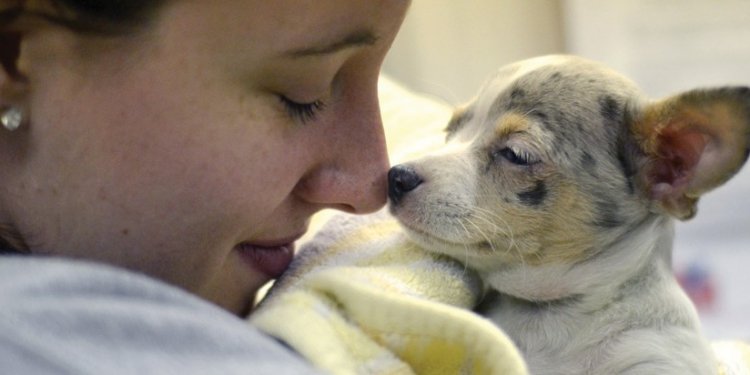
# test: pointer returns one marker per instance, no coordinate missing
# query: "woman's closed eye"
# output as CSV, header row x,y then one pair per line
x,y
302,112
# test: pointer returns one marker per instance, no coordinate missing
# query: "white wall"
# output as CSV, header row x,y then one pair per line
x,y
664,45
448,47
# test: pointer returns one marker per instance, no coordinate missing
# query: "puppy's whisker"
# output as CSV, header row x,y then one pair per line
x,y
467,232
466,259
508,233
493,227
486,217
484,235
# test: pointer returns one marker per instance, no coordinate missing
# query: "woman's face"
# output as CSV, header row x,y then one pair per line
x,y
197,150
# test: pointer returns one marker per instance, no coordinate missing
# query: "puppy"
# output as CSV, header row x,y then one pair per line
x,y
559,184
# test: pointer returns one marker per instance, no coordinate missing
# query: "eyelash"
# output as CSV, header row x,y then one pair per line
x,y
514,156
302,112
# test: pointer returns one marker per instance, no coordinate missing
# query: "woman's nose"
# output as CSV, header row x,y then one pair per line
x,y
352,175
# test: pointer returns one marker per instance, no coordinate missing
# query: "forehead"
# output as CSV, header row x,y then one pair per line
x,y
282,24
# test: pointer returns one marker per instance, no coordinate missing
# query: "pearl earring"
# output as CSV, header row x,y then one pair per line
x,y
11,118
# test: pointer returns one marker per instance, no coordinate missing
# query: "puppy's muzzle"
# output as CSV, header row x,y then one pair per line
x,y
401,180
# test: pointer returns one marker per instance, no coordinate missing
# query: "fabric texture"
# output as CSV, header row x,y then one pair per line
x,y
362,299
67,317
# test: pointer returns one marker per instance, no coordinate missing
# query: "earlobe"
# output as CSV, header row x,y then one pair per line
x,y
693,142
11,118
13,83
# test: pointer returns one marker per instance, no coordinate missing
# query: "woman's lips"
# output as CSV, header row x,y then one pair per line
x,y
270,259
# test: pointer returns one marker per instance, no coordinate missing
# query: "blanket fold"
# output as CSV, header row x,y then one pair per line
x,y
361,299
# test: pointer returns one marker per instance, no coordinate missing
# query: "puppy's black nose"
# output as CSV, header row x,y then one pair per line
x,y
401,180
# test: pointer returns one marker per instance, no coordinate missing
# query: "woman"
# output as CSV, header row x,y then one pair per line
x,y
188,141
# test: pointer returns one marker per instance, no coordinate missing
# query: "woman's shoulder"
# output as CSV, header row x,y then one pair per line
x,y
36,277
64,316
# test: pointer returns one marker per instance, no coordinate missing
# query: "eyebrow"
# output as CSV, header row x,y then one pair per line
x,y
356,39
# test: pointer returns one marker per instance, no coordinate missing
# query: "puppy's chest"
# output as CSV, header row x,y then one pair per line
x,y
554,336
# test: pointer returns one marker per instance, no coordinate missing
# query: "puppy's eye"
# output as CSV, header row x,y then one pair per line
x,y
514,156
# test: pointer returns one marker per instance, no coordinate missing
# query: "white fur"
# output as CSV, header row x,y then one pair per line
x,y
600,335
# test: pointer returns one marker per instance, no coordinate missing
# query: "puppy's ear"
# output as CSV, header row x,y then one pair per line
x,y
693,142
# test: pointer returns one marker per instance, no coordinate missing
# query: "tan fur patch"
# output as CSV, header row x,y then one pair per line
x,y
511,123
564,237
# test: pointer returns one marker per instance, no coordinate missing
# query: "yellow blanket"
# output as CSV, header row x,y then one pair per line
x,y
733,357
360,299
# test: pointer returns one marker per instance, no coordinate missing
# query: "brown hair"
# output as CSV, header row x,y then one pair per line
x,y
87,16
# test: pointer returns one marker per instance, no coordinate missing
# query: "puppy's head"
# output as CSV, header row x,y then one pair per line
x,y
558,157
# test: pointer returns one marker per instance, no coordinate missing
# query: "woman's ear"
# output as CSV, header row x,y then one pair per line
x,y
13,82
693,142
